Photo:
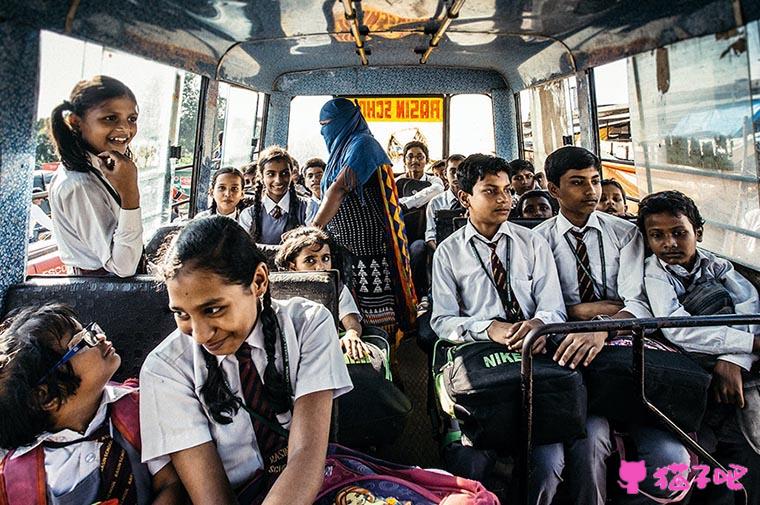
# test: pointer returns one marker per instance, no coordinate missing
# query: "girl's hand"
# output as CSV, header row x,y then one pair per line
x,y
355,347
121,172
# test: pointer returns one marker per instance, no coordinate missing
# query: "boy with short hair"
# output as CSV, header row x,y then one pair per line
x,y
600,261
446,200
683,280
73,436
536,204
521,177
613,200
494,280
313,171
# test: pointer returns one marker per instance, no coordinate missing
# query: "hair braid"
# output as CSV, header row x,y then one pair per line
x,y
221,403
70,146
275,385
258,204
294,217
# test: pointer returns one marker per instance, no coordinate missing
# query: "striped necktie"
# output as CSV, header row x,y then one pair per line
x,y
276,212
270,442
508,299
583,268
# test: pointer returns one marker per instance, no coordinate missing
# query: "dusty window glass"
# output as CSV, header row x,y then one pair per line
x,y
553,118
694,123
465,112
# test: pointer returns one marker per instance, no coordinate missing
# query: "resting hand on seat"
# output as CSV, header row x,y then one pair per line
x,y
587,311
512,335
728,385
577,348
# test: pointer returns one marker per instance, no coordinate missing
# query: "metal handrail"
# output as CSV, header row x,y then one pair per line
x,y
637,327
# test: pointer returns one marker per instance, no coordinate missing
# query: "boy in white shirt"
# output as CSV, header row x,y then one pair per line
x,y
600,261
446,200
675,276
495,280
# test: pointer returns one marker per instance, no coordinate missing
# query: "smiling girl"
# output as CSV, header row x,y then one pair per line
x,y
227,194
220,392
94,198
276,208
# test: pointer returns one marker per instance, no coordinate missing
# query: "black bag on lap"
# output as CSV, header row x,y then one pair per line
x,y
481,380
674,383
375,411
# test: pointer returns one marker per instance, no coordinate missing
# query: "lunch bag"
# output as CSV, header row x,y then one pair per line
x,y
375,411
674,383
478,383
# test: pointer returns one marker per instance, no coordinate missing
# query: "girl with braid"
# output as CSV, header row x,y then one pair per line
x,y
94,198
227,195
277,208
240,395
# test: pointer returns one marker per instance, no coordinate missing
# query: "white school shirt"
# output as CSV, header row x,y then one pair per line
x,y
173,416
235,215
423,196
663,287
465,300
246,216
38,216
347,304
623,246
443,201
65,467
91,229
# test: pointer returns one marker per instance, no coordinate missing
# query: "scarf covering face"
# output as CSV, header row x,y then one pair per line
x,y
350,144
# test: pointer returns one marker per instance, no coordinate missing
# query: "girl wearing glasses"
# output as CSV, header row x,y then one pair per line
x,y
69,430
240,395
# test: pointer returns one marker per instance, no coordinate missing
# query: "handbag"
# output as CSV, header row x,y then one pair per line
x,y
674,383
375,411
479,384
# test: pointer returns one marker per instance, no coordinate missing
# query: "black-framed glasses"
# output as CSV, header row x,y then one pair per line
x,y
86,337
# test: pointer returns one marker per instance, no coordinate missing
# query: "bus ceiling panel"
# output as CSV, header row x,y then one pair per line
x,y
528,42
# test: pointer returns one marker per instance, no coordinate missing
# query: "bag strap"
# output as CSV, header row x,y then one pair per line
x,y
22,479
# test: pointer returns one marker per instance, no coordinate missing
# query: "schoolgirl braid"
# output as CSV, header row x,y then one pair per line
x,y
258,205
276,385
294,218
222,404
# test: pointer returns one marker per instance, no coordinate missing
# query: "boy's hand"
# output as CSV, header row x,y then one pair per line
x,y
728,386
354,346
577,348
497,331
512,335
587,311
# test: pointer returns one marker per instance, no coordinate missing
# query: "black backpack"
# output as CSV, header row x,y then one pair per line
x,y
478,383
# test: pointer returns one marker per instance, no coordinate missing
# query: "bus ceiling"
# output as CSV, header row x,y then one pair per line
x,y
255,45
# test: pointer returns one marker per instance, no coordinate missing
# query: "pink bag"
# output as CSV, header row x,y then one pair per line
x,y
350,474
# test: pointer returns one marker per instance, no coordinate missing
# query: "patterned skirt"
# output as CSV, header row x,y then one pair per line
x,y
360,226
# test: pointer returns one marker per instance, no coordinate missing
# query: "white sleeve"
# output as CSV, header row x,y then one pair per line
x,y
423,196
39,216
630,279
321,366
430,222
445,319
347,304
119,253
171,415
550,305
246,218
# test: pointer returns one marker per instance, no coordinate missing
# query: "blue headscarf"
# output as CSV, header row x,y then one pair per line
x,y
350,144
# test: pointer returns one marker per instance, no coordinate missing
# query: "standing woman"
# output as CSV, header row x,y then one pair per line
x,y
360,209
94,198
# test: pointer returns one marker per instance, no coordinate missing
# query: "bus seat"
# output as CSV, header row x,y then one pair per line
x,y
134,311
414,219
444,223
162,235
270,251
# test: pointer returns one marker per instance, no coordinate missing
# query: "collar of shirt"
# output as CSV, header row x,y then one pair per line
x,y
111,393
283,204
449,197
254,339
470,232
680,271
564,225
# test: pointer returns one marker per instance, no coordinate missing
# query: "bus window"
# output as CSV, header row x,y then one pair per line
x,y
694,123
304,137
612,111
553,117
526,125
240,114
64,61
466,111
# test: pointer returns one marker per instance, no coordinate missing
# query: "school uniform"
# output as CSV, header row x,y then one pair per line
x,y
174,417
465,303
423,196
235,215
721,432
92,230
274,218
73,471
312,206
621,244
347,304
614,250
445,200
